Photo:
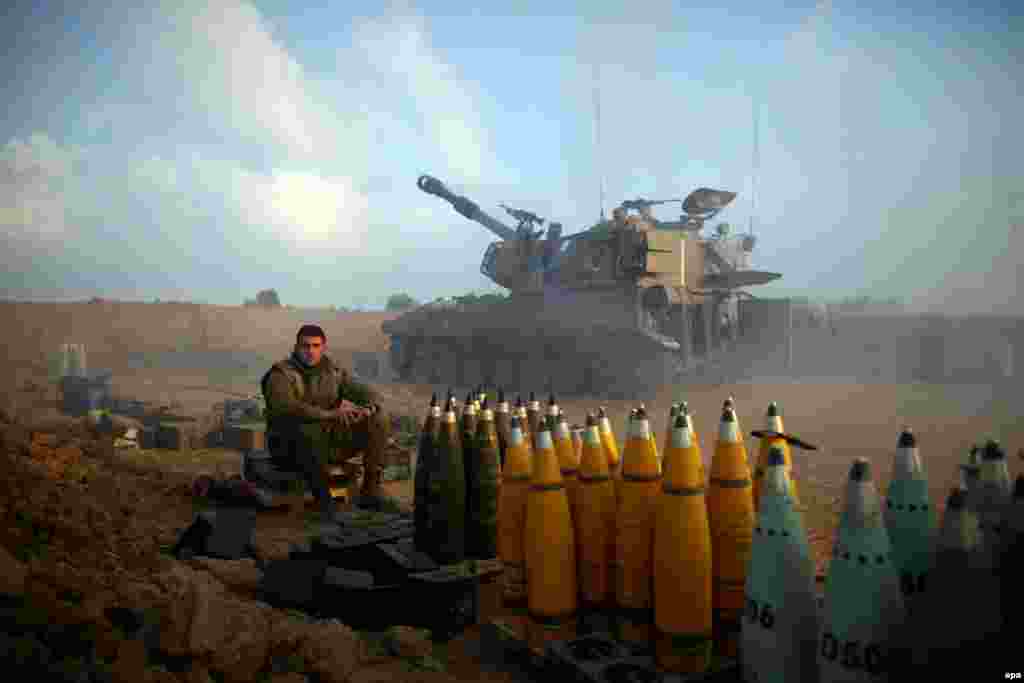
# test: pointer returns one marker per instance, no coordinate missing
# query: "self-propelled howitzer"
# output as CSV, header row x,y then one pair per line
x,y
622,306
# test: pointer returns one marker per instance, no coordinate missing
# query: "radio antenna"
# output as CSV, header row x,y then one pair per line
x,y
754,165
597,140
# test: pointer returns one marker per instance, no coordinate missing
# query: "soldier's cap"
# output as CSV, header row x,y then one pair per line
x,y
773,409
907,439
788,438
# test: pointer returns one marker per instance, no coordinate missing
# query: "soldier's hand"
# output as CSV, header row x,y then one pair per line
x,y
348,413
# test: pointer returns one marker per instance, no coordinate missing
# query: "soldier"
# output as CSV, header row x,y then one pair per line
x,y
551,247
314,408
618,218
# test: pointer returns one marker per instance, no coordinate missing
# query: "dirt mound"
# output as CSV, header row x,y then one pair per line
x,y
83,540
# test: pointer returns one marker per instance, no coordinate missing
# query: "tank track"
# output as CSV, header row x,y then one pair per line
x,y
612,366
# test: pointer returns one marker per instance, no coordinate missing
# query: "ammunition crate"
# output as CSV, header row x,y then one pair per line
x,y
173,436
375,574
595,658
248,437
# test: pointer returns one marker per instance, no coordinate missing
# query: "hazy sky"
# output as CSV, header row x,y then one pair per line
x,y
207,150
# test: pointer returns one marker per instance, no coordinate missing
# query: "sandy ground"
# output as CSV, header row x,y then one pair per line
x,y
845,418
853,398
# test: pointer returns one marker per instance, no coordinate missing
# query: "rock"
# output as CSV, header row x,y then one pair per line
x,y
176,618
138,595
234,633
12,574
241,574
286,635
406,641
333,651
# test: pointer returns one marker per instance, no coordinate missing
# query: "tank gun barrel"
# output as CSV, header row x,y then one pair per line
x,y
465,206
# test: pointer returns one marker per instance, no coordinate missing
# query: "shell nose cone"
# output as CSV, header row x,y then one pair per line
x,y
860,470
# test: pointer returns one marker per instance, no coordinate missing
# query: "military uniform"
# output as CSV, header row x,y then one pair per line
x,y
300,428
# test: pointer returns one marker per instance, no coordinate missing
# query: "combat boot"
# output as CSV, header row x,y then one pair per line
x,y
371,493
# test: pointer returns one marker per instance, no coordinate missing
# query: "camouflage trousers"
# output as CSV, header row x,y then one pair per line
x,y
314,446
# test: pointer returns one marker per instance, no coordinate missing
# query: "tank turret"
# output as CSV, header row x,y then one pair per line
x,y
631,287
